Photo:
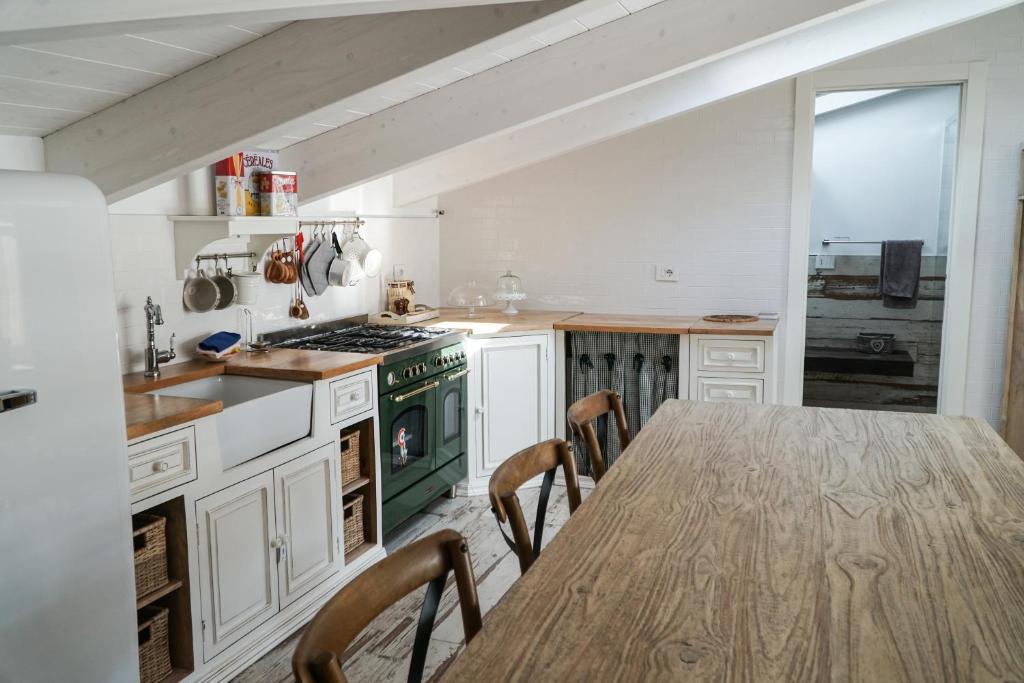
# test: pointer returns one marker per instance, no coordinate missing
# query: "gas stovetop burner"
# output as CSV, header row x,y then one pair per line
x,y
358,338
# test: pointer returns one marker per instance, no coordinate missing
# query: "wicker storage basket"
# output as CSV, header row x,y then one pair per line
x,y
349,458
154,647
353,525
150,553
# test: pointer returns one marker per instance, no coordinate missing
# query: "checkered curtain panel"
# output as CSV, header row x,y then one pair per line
x,y
642,368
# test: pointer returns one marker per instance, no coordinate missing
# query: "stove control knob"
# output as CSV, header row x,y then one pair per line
x,y
462,355
407,373
422,367
392,379
439,361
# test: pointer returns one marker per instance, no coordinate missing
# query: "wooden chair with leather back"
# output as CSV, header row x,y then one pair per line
x,y
581,417
426,561
544,458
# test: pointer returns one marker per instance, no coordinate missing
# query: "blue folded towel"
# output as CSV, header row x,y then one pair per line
x,y
220,341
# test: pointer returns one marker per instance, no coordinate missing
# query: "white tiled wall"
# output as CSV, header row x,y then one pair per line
x,y
701,193
144,266
709,193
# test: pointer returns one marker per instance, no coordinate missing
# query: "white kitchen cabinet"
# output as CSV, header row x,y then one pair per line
x,y
161,463
307,504
732,368
237,561
511,394
265,542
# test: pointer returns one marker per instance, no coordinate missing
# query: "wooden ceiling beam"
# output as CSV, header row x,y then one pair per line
x,y
260,90
812,47
27,21
655,43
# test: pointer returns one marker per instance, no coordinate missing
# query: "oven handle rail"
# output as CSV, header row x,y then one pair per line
x,y
456,375
415,392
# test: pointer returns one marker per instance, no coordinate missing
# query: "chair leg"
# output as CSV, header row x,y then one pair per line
x,y
425,626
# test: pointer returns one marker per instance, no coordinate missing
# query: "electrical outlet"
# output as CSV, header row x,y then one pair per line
x,y
663,273
825,261
399,271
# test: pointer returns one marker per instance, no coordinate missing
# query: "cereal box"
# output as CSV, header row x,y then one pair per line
x,y
255,164
229,185
279,194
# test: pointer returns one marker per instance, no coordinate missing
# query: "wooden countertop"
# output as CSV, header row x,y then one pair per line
x,y
773,543
603,322
661,324
493,321
293,364
148,415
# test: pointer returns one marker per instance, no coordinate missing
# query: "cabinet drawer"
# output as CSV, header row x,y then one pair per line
x,y
351,396
744,355
728,390
157,464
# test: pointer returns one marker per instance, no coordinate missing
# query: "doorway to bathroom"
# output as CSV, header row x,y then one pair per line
x,y
882,212
882,179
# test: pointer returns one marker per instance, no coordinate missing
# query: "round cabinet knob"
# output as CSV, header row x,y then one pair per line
x,y
161,466
731,356
392,379
407,373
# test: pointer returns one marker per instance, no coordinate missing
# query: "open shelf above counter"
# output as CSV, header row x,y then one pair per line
x,y
193,233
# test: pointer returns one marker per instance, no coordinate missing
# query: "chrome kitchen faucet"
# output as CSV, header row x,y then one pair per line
x,y
154,357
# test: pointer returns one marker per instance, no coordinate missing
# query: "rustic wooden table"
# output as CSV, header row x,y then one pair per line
x,y
754,543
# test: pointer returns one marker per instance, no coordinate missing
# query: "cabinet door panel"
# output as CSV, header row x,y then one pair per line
x,y
236,562
308,500
515,397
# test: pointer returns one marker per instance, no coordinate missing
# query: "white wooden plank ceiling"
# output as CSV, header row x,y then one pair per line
x,y
404,89
48,85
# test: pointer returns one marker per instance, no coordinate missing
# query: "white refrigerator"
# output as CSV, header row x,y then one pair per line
x,y
67,593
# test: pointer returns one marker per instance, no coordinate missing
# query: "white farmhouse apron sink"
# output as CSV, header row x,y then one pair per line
x,y
260,415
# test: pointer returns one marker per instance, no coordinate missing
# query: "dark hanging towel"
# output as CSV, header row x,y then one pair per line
x,y
900,273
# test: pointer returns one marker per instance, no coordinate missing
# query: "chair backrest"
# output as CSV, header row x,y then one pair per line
x,y
581,416
544,458
427,561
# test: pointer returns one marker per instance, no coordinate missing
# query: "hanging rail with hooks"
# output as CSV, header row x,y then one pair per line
x,y
333,223
217,257
828,241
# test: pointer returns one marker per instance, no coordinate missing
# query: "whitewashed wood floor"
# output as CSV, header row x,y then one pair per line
x,y
382,651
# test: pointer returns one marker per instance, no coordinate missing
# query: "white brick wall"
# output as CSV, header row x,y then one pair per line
x,y
709,192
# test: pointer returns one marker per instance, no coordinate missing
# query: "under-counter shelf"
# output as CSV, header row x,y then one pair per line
x,y
354,554
175,594
355,485
152,596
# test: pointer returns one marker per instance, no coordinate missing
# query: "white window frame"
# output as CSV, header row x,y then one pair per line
x,y
973,78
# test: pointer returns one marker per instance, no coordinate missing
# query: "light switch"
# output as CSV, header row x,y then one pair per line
x,y
664,273
399,271
825,261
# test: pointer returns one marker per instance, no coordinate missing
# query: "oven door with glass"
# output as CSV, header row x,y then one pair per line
x,y
452,419
407,448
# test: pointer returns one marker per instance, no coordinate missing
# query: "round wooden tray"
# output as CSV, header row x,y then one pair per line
x,y
731,318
